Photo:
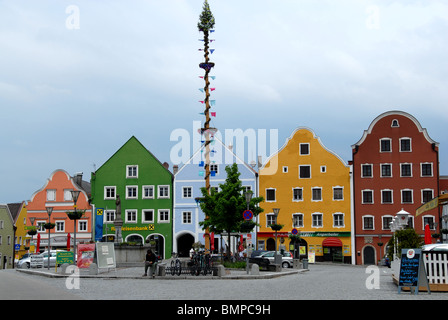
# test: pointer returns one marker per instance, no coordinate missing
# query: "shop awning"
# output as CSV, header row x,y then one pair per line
x,y
332,242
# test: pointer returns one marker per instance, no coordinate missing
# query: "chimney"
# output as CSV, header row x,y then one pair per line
x,y
166,165
78,178
175,168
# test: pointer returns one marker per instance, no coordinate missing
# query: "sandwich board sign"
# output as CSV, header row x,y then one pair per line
x,y
412,271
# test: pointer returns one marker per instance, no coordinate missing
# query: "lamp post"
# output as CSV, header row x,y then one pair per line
x,y
49,211
248,195
32,224
75,195
276,211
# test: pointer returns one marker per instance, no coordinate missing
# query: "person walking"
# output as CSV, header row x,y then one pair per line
x,y
150,262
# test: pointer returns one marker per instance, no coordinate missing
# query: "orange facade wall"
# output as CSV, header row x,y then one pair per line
x,y
55,193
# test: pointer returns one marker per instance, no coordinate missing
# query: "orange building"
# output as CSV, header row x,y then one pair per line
x,y
56,193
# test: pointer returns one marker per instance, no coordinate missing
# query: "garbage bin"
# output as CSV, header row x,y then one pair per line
x,y
305,263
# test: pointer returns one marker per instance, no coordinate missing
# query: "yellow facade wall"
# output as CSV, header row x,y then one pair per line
x,y
327,172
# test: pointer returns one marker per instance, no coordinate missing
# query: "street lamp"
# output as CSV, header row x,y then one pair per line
x,y
32,224
277,258
49,211
248,195
75,195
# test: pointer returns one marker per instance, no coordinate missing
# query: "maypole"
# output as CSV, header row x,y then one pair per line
x,y
205,25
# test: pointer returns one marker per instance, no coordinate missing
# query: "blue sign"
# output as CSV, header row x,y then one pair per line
x,y
17,247
294,231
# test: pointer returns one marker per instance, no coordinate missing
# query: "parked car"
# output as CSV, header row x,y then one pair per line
x,y
26,261
257,253
287,260
436,247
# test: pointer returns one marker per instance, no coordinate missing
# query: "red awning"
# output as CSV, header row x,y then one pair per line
x,y
332,242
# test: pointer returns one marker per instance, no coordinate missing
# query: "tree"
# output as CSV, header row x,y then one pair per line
x,y
406,239
224,209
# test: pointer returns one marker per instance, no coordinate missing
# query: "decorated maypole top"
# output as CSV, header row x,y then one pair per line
x,y
205,25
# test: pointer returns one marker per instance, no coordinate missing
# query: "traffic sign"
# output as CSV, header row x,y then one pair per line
x,y
294,231
248,215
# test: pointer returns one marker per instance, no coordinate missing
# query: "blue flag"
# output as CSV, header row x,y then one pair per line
x,y
99,224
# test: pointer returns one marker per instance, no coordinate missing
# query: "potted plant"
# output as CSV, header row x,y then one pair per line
x,y
32,231
49,225
75,215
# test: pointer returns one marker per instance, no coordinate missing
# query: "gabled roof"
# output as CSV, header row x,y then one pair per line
x,y
227,149
133,138
399,113
14,209
290,138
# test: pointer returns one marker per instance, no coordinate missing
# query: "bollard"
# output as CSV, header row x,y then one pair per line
x,y
221,270
305,263
255,269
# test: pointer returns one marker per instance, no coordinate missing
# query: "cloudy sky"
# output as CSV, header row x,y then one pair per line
x,y
78,78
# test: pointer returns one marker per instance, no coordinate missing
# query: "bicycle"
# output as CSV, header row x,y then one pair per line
x,y
176,265
194,264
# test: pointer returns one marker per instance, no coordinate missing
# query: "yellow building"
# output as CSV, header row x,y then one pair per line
x,y
19,215
311,186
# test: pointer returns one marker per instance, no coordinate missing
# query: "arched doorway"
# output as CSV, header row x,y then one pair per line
x,y
369,255
184,244
160,245
270,244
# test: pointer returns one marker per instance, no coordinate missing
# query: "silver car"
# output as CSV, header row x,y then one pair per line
x,y
287,260
25,263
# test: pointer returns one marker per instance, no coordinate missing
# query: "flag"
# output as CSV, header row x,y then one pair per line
x,y
68,242
213,114
201,101
212,50
212,89
99,224
37,249
201,173
212,241
213,77
201,89
212,102
427,235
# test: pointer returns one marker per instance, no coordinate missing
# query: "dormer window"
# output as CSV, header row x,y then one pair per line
x,y
395,123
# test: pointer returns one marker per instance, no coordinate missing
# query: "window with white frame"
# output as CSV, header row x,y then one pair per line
x,y
367,196
270,219
406,169
405,145
304,149
131,216
426,169
270,194
407,196
131,171
385,145
148,192
147,216
317,221
387,196
60,226
186,217
163,192
187,192
304,171
131,192
110,216
214,167
51,195
110,192
297,220
338,193
68,195
367,223
40,226
316,194
427,195
387,221
297,194
338,220
82,225
386,170
430,221
164,215
366,170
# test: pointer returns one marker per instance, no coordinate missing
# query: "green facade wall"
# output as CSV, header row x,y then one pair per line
x,y
150,172
7,238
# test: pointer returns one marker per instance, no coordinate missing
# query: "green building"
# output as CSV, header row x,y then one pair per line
x,y
6,238
145,188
